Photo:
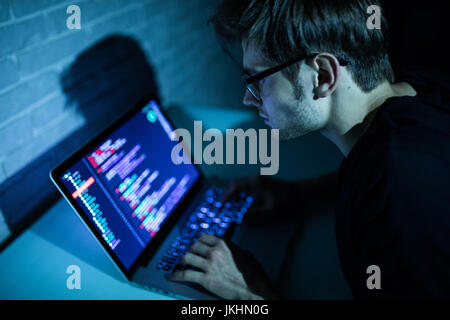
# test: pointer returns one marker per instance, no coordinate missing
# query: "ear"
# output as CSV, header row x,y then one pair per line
x,y
327,68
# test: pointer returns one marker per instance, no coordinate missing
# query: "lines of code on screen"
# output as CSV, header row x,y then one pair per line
x,y
128,185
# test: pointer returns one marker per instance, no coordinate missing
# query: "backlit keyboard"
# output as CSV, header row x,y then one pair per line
x,y
206,218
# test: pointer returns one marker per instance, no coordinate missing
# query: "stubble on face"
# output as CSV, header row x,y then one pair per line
x,y
295,117
302,114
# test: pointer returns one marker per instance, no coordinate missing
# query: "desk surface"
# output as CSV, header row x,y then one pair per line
x,y
34,265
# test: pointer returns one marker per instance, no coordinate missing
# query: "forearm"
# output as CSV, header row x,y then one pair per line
x,y
315,194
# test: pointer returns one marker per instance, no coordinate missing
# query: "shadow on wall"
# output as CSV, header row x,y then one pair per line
x,y
102,83
108,78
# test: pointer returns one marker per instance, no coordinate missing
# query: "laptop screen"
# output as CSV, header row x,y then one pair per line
x,y
127,186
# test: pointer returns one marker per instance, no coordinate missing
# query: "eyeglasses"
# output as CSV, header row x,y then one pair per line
x,y
252,85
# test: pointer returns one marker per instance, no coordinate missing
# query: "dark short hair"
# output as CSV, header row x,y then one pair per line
x,y
284,29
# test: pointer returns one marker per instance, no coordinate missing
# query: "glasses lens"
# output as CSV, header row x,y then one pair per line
x,y
254,90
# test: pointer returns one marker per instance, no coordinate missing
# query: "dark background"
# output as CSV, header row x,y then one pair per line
x,y
419,33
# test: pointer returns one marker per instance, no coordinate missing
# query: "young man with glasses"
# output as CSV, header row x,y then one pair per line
x,y
315,66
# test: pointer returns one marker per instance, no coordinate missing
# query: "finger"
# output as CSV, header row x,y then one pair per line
x,y
195,261
209,239
200,249
188,276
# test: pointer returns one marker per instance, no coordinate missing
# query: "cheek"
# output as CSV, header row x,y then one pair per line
x,y
278,107
278,91
273,98
278,113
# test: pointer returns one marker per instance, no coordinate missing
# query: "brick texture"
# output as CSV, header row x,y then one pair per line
x,y
58,87
5,14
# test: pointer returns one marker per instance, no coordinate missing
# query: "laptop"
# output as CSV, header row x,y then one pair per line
x,y
144,210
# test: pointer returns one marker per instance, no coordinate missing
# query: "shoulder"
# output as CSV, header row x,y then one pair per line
x,y
407,134
427,112
408,169
403,185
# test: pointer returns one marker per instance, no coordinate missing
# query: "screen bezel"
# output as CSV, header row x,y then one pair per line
x,y
155,242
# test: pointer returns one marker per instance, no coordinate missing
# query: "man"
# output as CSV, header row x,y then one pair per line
x,y
315,66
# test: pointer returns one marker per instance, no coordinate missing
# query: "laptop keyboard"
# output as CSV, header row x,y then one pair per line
x,y
206,218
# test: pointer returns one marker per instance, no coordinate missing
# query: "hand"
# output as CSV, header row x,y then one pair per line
x,y
218,271
270,194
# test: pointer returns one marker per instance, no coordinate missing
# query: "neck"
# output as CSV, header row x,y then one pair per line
x,y
346,132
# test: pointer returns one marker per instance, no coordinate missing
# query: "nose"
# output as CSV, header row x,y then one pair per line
x,y
249,100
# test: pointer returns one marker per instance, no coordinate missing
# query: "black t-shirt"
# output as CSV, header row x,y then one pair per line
x,y
393,205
